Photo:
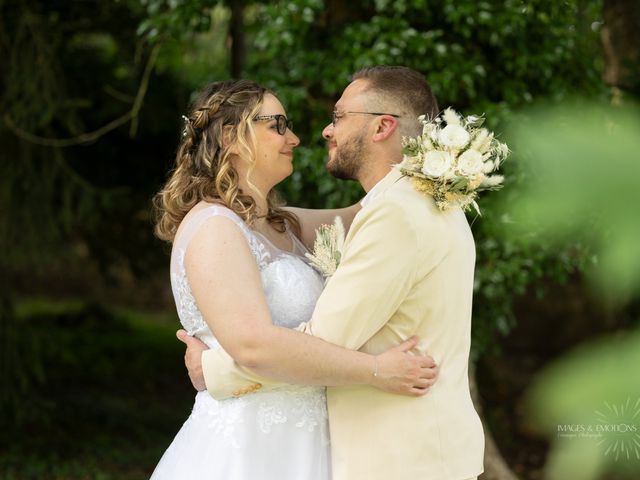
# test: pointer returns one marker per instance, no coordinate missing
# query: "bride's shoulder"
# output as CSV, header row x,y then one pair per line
x,y
204,210
207,214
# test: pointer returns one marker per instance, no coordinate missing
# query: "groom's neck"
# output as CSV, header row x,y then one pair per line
x,y
381,157
372,176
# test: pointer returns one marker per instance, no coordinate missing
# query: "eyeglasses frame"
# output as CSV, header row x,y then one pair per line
x,y
287,123
335,117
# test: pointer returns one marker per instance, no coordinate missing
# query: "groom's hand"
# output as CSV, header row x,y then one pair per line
x,y
193,359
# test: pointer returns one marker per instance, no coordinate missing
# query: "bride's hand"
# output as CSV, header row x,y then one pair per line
x,y
193,359
401,372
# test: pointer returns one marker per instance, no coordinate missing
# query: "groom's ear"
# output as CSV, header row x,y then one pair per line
x,y
386,125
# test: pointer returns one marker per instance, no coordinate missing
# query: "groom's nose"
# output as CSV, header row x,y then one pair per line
x,y
327,132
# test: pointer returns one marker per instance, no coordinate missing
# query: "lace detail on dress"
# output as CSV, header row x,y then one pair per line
x,y
190,317
291,288
259,251
223,418
270,414
304,407
311,411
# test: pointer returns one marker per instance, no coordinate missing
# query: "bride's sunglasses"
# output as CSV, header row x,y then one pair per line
x,y
282,122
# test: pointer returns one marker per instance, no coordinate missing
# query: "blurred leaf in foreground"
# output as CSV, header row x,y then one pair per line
x,y
584,183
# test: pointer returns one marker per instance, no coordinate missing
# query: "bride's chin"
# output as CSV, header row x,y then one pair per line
x,y
288,171
284,176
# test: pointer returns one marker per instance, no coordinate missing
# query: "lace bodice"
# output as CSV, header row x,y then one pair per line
x,y
271,434
290,284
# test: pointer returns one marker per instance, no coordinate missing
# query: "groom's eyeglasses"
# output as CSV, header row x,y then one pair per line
x,y
335,116
282,122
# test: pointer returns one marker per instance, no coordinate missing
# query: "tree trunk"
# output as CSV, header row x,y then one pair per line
x,y
12,366
495,466
338,13
621,43
236,34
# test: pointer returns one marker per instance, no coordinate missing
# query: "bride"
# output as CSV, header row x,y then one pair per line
x,y
241,282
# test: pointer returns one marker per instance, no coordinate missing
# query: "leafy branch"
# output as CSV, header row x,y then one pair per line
x,y
85,138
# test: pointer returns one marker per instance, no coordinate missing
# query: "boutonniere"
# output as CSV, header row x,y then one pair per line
x,y
453,160
327,248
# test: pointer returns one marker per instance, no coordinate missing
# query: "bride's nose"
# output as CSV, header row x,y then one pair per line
x,y
292,138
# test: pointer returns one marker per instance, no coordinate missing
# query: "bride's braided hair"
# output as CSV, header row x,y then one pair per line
x,y
220,116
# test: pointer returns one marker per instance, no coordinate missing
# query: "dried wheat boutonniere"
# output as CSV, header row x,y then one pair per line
x,y
327,248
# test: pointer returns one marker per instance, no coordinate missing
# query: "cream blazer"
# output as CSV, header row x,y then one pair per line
x,y
407,268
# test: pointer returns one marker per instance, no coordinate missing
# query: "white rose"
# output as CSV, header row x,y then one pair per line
x,y
470,163
436,163
454,136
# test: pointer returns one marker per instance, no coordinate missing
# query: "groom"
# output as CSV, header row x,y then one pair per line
x,y
407,268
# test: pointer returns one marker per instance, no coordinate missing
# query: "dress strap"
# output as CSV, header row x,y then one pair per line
x,y
298,247
194,222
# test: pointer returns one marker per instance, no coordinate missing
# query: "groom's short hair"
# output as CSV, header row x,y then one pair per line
x,y
401,89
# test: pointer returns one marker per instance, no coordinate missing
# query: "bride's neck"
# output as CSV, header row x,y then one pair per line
x,y
259,195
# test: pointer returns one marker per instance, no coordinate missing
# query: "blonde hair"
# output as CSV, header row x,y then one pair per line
x,y
221,116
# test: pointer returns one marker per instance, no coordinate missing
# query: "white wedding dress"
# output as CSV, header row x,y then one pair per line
x,y
280,434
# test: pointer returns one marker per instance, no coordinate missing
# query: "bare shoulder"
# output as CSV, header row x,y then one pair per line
x,y
195,211
217,237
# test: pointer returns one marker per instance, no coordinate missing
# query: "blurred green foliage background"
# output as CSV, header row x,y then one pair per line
x,y
91,96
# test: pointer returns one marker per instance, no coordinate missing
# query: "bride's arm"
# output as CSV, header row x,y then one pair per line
x,y
310,219
227,288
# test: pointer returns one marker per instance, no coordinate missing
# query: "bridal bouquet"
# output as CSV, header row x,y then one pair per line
x,y
327,248
453,160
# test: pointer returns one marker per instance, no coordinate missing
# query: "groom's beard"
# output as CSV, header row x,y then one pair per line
x,y
348,159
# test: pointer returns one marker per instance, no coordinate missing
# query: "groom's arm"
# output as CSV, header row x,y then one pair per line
x,y
312,219
380,263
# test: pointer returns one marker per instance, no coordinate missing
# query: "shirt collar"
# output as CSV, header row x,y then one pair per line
x,y
378,188
371,194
